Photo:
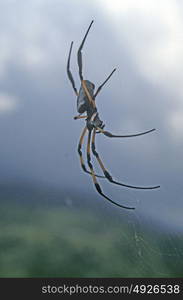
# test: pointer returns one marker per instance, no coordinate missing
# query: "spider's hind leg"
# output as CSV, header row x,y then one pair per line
x,y
97,186
81,155
108,176
111,135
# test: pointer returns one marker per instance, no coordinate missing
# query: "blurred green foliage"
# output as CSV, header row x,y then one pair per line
x,y
38,239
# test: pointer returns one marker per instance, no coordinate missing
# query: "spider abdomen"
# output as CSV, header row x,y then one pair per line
x,y
82,100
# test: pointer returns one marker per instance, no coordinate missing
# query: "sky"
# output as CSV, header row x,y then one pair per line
x,y
39,137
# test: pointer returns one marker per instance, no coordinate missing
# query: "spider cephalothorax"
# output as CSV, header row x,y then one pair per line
x,y
86,104
94,122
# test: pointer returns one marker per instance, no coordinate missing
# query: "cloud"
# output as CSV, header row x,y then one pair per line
x,y
28,36
176,122
8,103
152,32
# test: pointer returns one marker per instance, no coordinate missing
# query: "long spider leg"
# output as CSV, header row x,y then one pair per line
x,y
81,156
80,53
100,87
108,176
97,186
69,72
109,134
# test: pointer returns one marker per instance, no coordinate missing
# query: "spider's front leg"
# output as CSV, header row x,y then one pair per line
x,y
69,72
80,64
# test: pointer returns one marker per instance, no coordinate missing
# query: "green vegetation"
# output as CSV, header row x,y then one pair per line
x,y
54,240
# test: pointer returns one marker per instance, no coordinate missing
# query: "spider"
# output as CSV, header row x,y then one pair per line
x,y
86,104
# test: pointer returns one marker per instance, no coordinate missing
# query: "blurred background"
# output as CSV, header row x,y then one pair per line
x,y
53,222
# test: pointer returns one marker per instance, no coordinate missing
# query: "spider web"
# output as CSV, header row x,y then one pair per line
x,y
158,247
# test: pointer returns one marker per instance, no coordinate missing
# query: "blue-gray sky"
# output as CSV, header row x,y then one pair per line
x,y
38,134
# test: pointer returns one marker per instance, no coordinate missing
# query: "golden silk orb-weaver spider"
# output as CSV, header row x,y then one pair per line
x,y
86,104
